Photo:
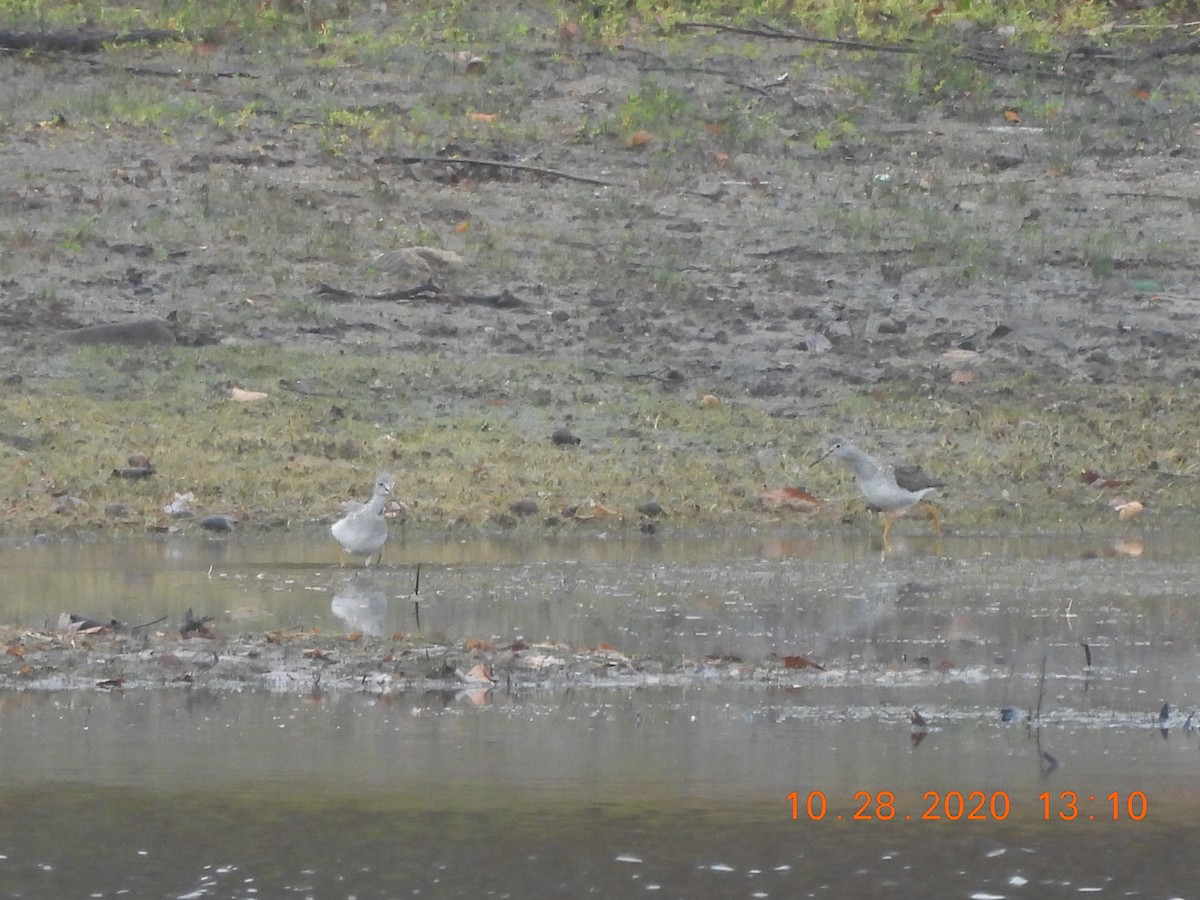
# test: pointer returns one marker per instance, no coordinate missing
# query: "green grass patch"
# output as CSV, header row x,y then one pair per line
x,y
332,420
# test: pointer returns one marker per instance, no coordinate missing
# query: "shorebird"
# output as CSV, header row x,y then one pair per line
x,y
890,490
363,530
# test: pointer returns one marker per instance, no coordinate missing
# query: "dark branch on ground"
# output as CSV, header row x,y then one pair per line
x,y
87,42
503,300
498,164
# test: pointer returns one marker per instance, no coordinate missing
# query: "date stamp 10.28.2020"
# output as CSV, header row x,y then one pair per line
x,y
970,806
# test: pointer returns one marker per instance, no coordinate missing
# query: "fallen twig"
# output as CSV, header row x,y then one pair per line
x,y
83,43
499,164
506,299
768,31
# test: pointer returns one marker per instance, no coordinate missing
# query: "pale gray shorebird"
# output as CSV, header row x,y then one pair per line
x,y
363,530
892,490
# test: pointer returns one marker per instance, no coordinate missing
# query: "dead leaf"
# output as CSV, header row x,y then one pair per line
x,y
790,498
957,354
316,653
722,160
569,31
1129,510
462,227
14,650
477,644
244,396
1012,117
354,636
1091,476
639,138
592,509
481,673
962,376
801,662
710,400
1132,548
483,117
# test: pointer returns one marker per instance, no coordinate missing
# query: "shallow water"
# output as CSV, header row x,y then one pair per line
x,y
671,791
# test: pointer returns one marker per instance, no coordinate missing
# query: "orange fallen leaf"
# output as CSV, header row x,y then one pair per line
x,y
801,662
710,400
16,651
354,636
639,138
483,117
1141,93
714,127
722,160
1011,116
1091,476
962,376
1130,510
792,498
480,673
1131,548
569,31
585,512
25,670
461,227
477,644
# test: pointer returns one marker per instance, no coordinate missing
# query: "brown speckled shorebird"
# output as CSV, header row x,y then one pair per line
x,y
891,490
363,530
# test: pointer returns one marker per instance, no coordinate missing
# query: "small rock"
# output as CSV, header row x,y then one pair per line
x,y
651,509
132,334
133,472
218,523
139,461
116,510
68,504
892,326
815,343
179,507
563,437
525,506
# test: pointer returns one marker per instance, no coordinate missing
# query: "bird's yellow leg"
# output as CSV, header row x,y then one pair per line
x,y
933,514
887,526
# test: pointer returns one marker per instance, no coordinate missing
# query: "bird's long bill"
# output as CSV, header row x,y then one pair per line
x,y
821,457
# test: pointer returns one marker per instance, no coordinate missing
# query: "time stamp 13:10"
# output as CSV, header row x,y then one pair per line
x,y
970,806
